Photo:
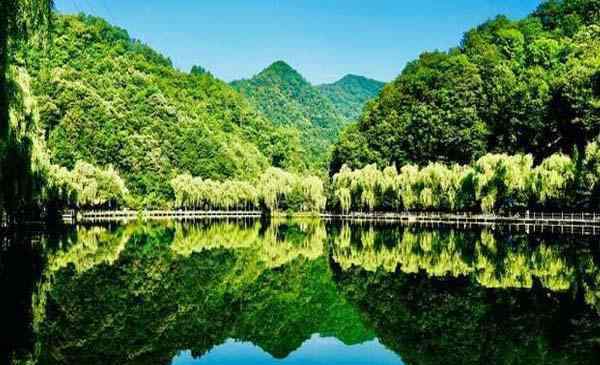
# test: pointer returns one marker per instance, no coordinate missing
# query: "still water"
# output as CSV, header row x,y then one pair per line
x,y
297,292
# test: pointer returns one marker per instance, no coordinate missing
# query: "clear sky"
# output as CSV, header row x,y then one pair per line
x,y
322,39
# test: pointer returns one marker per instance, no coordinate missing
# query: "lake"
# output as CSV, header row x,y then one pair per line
x,y
297,292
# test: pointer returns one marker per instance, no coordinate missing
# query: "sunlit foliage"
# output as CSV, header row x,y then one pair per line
x,y
275,190
20,22
108,99
440,253
495,182
289,100
350,94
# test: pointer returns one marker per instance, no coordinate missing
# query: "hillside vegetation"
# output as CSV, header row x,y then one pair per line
x,y
526,86
317,113
509,119
106,99
350,94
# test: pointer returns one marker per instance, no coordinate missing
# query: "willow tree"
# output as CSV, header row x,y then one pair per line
x,y
436,185
406,186
95,186
275,184
19,20
502,180
342,182
553,178
591,173
313,194
389,192
198,193
180,185
370,182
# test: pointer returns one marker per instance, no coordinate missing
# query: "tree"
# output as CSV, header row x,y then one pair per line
x,y
528,86
19,20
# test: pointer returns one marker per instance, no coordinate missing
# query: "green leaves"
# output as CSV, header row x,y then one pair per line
x,y
316,113
121,103
350,94
275,189
526,86
494,182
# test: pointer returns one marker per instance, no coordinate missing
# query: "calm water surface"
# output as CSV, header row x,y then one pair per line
x,y
297,292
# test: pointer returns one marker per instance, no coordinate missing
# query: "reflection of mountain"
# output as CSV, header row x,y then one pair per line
x,y
472,297
174,287
445,320
140,293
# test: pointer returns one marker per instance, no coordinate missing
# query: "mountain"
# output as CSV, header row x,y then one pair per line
x,y
525,86
350,94
107,99
287,99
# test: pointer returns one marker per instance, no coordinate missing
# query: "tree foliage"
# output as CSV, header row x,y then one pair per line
x,y
107,99
286,98
528,86
20,20
350,94
275,189
494,182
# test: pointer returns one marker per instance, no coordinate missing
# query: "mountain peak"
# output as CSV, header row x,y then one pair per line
x,y
352,78
280,67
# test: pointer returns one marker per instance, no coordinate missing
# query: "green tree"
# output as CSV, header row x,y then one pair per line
x,y
528,86
19,21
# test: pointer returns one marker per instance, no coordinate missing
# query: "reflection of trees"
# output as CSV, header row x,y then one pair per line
x,y
513,264
139,293
87,248
257,250
275,246
446,320
174,287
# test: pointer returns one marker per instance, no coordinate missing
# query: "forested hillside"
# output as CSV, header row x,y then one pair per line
x,y
527,86
107,99
350,94
285,97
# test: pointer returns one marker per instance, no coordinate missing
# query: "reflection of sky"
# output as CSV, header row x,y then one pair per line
x,y
316,351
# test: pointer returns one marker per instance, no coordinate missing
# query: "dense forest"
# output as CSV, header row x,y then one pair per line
x,y
350,94
316,113
96,99
526,86
508,119
107,99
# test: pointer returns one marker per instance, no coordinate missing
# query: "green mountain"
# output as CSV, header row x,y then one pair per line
x,y
286,98
530,86
350,94
106,99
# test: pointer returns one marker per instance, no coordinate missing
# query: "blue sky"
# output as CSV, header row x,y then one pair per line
x,y
323,39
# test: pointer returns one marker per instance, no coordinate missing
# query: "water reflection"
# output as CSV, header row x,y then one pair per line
x,y
307,292
315,351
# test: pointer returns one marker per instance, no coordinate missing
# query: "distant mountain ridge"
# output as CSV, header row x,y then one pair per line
x,y
350,94
285,97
